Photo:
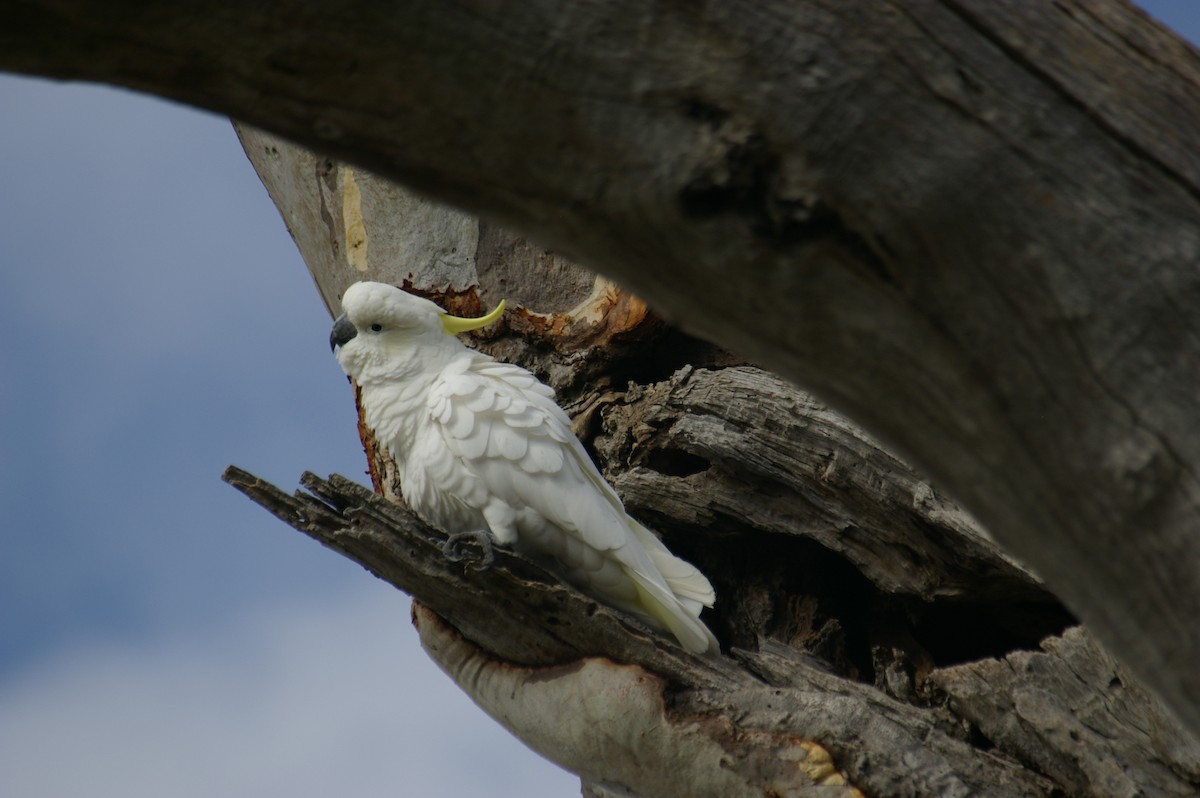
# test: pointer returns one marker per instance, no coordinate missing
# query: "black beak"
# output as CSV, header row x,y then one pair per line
x,y
342,332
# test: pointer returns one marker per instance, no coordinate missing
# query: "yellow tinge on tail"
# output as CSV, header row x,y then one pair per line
x,y
483,449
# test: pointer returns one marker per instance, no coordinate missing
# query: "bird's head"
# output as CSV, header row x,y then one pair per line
x,y
386,333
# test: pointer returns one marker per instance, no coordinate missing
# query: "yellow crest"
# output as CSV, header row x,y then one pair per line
x,y
455,324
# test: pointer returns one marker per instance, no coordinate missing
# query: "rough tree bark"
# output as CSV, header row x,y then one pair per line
x,y
970,224
879,642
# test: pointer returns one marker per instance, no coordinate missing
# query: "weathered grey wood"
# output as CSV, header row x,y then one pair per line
x,y
714,701
732,461
1073,712
394,545
1070,711
970,224
340,235
766,456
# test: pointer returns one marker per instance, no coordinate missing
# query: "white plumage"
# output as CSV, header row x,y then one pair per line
x,y
481,446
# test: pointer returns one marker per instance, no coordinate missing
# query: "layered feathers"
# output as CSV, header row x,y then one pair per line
x,y
482,446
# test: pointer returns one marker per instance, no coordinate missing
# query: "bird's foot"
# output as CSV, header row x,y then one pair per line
x,y
473,547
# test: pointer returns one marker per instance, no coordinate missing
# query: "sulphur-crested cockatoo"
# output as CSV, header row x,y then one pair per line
x,y
482,448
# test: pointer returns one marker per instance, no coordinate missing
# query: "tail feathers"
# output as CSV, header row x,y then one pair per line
x,y
690,586
674,614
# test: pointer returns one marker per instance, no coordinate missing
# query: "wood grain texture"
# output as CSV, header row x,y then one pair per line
x,y
971,225
886,742
828,553
833,560
758,453
1065,719
1057,708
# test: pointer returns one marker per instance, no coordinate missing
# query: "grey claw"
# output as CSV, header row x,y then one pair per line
x,y
460,546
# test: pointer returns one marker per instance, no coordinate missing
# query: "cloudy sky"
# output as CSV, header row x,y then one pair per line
x,y
159,634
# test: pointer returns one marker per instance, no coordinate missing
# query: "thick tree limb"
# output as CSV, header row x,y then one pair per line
x,y
684,717
490,605
757,483
770,720
970,224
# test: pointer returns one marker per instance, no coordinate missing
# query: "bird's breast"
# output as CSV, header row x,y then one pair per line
x,y
395,415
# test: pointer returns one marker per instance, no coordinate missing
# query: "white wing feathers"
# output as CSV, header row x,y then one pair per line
x,y
534,483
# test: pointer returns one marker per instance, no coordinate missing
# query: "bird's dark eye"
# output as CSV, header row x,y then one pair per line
x,y
376,327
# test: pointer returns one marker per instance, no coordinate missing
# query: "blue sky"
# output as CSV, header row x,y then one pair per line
x,y
160,634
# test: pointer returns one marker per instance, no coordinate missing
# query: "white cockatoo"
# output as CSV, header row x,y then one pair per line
x,y
482,448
